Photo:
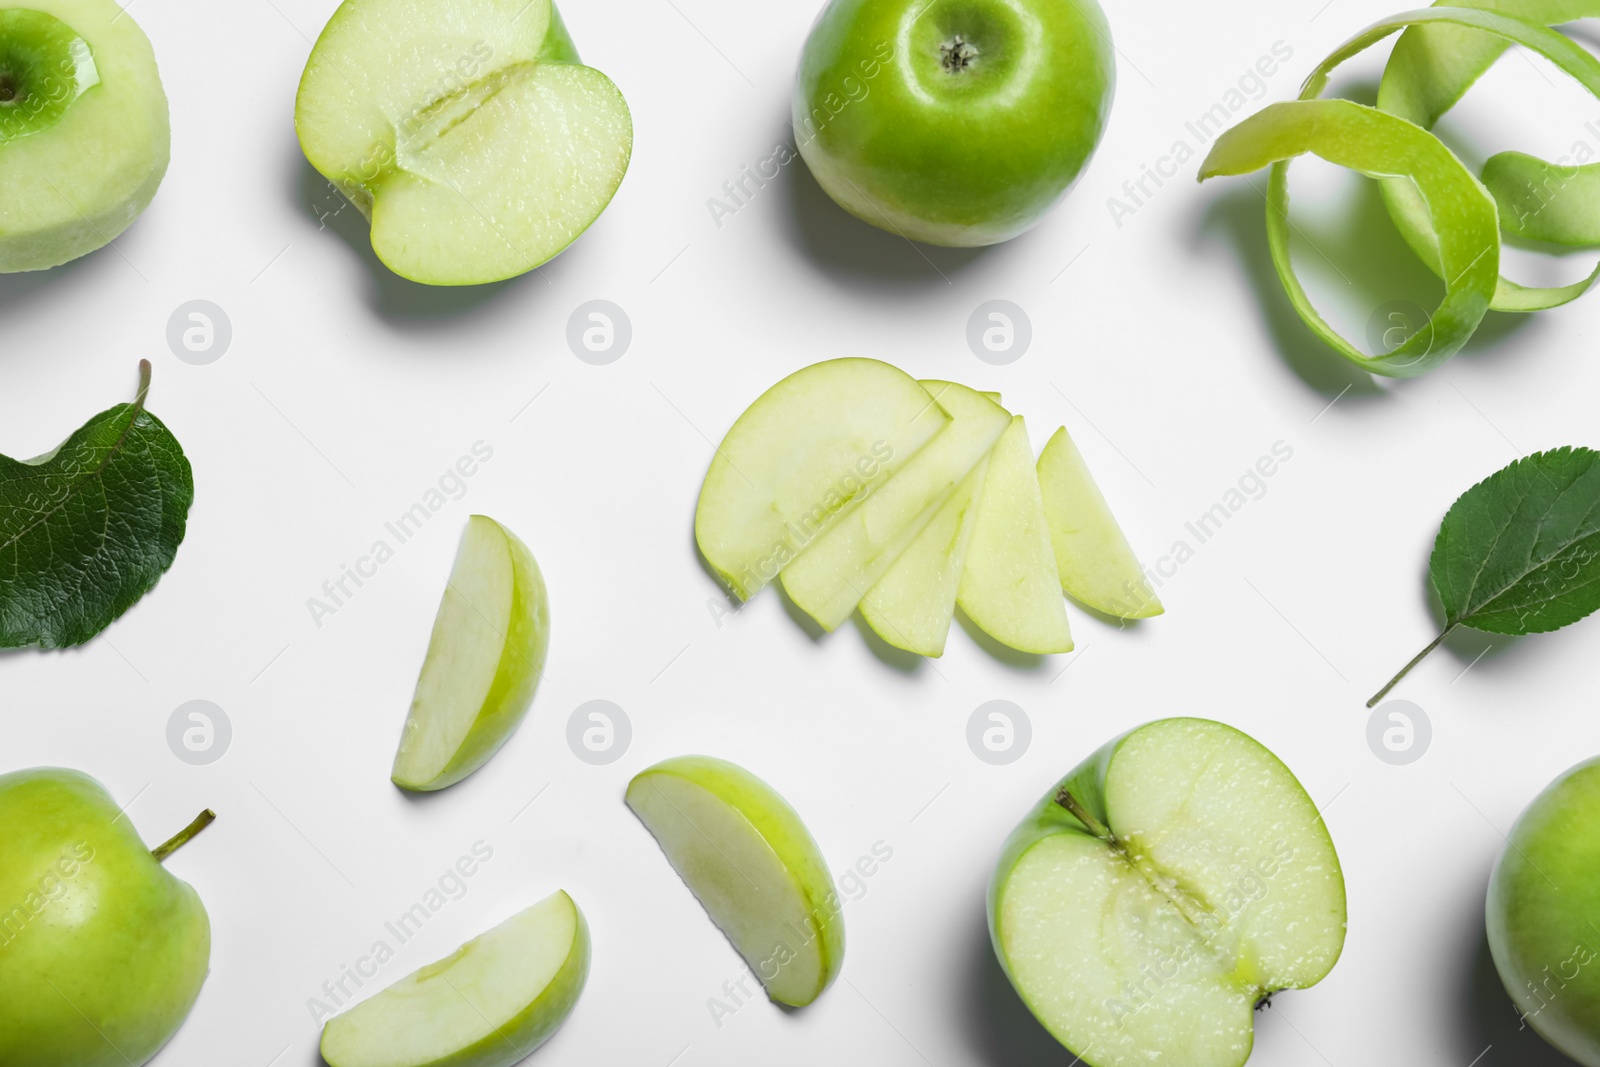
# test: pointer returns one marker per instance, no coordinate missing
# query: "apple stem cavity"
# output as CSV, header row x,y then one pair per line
x,y
184,836
957,54
1083,815
1418,658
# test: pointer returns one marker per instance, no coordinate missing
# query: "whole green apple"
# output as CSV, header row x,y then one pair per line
x,y
102,952
955,122
1544,898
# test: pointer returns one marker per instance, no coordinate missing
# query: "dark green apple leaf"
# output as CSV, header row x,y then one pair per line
x,y
1519,553
88,529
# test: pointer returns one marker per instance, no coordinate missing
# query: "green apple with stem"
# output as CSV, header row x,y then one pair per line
x,y
84,133
1541,911
469,133
489,1004
955,122
484,660
748,858
1160,891
102,950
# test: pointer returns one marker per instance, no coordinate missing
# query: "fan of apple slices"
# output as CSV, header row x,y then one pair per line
x,y
859,487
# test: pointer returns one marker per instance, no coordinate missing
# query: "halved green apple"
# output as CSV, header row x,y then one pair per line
x,y
1097,567
469,133
84,133
484,660
490,1004
1163,888
801,457
744,852
1009,586
835,572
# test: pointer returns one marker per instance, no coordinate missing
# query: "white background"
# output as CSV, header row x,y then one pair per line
x,y
1165,346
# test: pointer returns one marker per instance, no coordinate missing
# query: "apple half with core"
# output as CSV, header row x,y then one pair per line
x,y
748,858
102,952
84,133
489,1004
469,133
1541,911
484,660
1162,889
955,122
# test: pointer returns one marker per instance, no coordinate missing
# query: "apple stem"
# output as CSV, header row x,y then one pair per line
x,y
184,836
144,384
1083,815
1418,658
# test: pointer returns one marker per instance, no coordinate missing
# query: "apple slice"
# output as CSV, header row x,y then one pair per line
x,y
830,577
84,133
746,855
801,457
1009,586
1097,567
1160,891
499,997
484,660
912,605
468,132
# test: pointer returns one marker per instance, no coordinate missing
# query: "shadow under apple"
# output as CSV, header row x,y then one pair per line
x,y
1488,1023
998,1026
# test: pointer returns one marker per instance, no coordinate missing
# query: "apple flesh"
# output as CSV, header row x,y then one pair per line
x,y
469,133
831,576
1160,891
1009,585
84,133
955,122
484,660
489,1004
748,858
1540,914
1097,567
103,950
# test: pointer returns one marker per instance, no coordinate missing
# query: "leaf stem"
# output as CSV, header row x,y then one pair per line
x,y
1435,643
144,385
184,836
1083,815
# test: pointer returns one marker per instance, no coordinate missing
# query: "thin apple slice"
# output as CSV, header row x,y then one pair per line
x,y
744,852
1097,567
1165,886
831,576
484,660
1009,586
803,456
912,605
499,997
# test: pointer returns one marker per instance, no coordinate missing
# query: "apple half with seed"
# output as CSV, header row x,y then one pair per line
x,y
84,133
1160,891
490,1004
484,660
748,858
469,133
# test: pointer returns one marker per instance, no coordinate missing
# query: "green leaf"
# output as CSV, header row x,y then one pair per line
x,y
1519,553
88,529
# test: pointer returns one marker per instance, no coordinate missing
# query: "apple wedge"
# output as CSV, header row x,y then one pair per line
x,y
1009,586
1160,891
801,457
911,606
1097,567
499,997
469,133
831,576
484,660
748,858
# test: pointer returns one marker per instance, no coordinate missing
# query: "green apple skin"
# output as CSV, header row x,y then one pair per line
x,y
953,122
1544,895
102,952
84,133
